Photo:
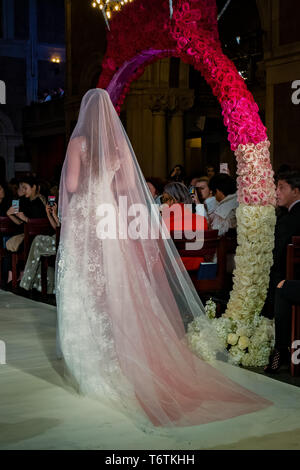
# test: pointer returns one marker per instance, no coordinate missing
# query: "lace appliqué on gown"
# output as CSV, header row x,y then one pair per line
x,y
85,329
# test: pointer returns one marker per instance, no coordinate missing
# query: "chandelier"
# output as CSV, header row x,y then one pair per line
x,y
108,7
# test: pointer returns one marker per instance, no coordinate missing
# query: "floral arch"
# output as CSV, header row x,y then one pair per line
x,y
142,33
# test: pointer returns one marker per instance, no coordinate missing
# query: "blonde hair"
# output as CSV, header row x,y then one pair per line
x,y
203,178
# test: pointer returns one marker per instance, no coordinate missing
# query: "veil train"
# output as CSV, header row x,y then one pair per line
x,y
122,302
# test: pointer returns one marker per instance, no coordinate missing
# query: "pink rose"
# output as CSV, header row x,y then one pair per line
x,y
255,199
263,196
249,156
246,200
182,42
191,51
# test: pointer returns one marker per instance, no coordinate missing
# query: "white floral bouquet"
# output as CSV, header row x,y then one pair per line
x,y
248,337
249,342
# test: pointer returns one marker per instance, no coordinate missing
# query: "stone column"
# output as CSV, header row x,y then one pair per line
x,y
159,160
32,55
175,140
158,105
179,102
8,19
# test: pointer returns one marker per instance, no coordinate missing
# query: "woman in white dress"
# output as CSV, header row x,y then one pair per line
x,y
124,298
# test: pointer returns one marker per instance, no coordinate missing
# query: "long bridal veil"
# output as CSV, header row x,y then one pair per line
x,y
124,297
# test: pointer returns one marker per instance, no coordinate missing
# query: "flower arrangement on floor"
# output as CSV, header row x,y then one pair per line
x,y
248,342
248,336
192,35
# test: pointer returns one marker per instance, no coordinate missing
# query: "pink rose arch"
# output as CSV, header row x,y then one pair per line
x,y
143,32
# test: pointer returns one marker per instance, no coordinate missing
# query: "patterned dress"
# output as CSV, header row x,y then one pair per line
x,y
42,245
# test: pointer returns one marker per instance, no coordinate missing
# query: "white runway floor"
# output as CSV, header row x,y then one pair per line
x,y
38,410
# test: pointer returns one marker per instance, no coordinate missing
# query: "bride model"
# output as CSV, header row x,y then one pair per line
x,y
123,300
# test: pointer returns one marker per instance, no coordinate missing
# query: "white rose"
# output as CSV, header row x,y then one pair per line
x,y
243,342
232,339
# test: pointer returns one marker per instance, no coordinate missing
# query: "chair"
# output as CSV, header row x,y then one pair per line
x,y
213,244
7,229
231,241
47,261
32,228
293,260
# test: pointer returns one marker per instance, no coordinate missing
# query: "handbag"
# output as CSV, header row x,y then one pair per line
x,y
14,242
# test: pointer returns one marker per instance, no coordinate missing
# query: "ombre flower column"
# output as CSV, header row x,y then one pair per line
x,y
248,336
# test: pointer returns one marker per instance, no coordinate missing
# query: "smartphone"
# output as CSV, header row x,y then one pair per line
x,y
16,205
192,190
224,168
51,200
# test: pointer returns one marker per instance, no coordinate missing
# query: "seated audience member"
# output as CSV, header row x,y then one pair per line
x,y
54,94
60,92
205,195
54,190
194,181
46,96
210,171
44,190
42,245
156,187
5,199
178,216
198,203
177,174
223,218
13,187
16,189
21,191
31,207
287,294
287,226
282,169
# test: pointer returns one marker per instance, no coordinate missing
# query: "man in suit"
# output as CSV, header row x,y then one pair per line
x,y
287,226
287,294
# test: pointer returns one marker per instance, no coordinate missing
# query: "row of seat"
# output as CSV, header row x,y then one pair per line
x,y
213,245
31,229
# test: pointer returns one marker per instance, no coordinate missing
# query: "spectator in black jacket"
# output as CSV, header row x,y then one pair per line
x,y
287,226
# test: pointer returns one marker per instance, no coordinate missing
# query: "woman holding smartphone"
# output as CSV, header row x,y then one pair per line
x,y
31,205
